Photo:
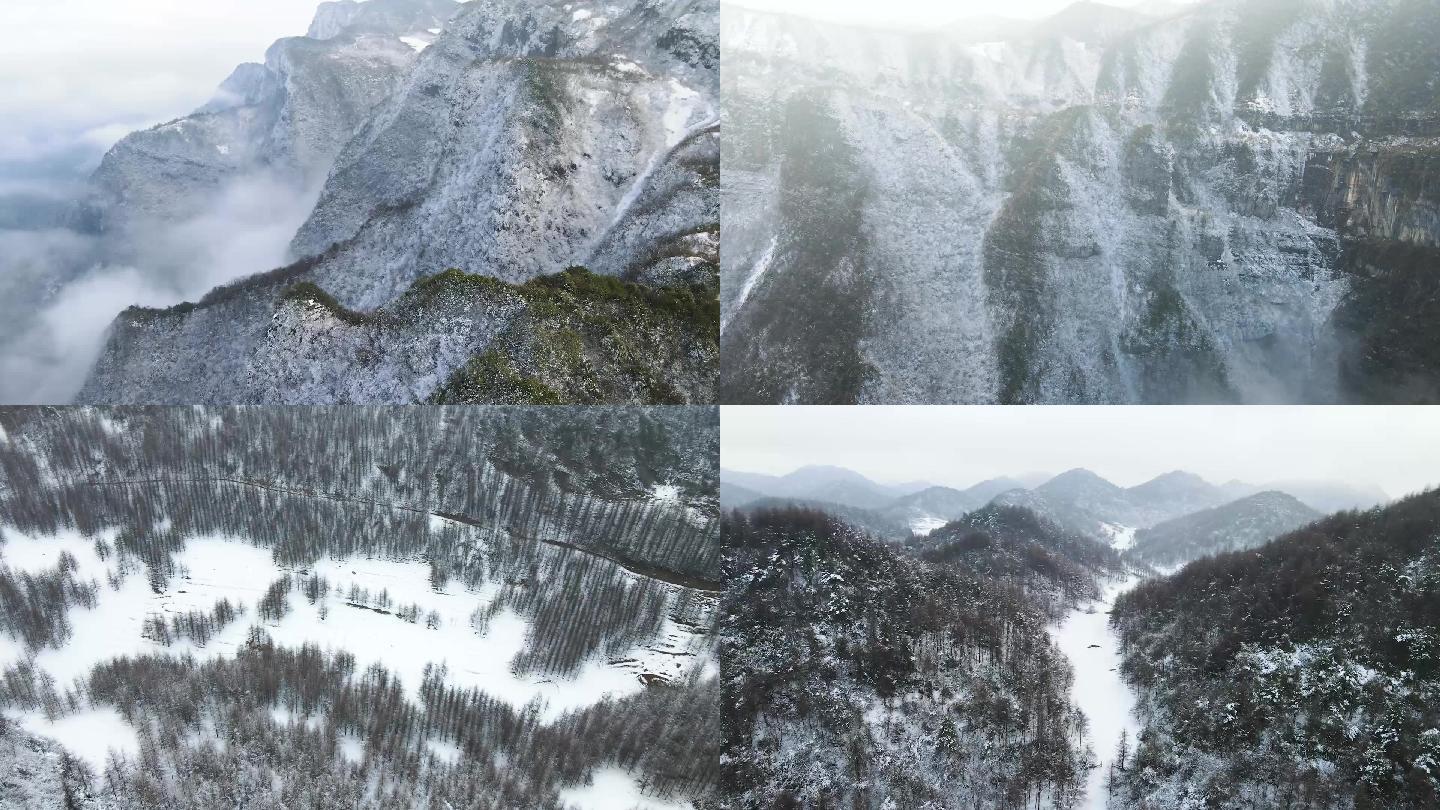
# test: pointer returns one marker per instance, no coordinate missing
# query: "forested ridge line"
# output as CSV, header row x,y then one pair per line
x,y
637,567
634,566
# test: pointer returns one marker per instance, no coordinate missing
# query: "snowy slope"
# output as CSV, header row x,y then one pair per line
x,y
1246,523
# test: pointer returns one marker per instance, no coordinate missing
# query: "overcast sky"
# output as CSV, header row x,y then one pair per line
x,y
93,70
1397,449
906,13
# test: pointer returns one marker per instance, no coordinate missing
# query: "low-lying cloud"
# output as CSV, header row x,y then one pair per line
x,y
64,296
85,69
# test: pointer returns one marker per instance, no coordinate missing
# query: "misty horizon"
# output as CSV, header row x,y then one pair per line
x,y
1032,479
923,14
1389,449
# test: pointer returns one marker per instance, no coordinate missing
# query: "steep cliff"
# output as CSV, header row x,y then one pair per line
x,y
1215,205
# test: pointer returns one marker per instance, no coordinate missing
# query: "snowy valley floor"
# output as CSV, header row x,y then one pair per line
x,y
1099,690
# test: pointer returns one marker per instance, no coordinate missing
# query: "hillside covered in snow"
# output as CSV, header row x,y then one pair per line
x,y
857,675
420,607
1236,526
1233,201
1304,673
498,201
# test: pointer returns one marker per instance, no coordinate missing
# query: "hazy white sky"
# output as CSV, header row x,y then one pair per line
x,y
95,69
1397,449
916,12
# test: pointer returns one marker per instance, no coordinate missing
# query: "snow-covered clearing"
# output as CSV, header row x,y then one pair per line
x,y
416,42
1098,691
1121,537
447,752
89,735
614,789
215,568
923,526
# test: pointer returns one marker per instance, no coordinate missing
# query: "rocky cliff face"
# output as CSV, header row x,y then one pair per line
x,y
289,117
1213,206
524,139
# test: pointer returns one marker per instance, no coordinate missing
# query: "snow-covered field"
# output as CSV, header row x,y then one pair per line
x,y
215,568
925,525
1099,691
90,735
613,789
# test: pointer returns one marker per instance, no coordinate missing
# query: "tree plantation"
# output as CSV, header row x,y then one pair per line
x,y
359,607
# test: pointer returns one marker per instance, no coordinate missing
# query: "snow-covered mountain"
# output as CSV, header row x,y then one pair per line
x,y
1057,566
1246,523
1226,204
289,117
1083,501
858,676
932,508
506,139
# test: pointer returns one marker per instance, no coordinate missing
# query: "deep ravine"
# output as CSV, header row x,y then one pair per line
x,y
1099,690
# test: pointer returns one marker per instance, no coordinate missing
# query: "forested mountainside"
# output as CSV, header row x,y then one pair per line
x,y
820,483
524,211
932,507
1304,673
1056,567
856,675
874,523
359,607
1236,526
1233,202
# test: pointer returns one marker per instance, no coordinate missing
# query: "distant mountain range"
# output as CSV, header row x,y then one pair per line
x,y
822,483
1079,500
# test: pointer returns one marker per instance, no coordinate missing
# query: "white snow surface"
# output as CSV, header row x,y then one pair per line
x,y
614,789
923,526
33,555
416,42
1098,690
756,273
90,735
1121,537
444,751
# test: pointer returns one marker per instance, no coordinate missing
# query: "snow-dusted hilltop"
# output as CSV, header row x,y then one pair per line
x,y
1246,523
510,141
1228,203
859,676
